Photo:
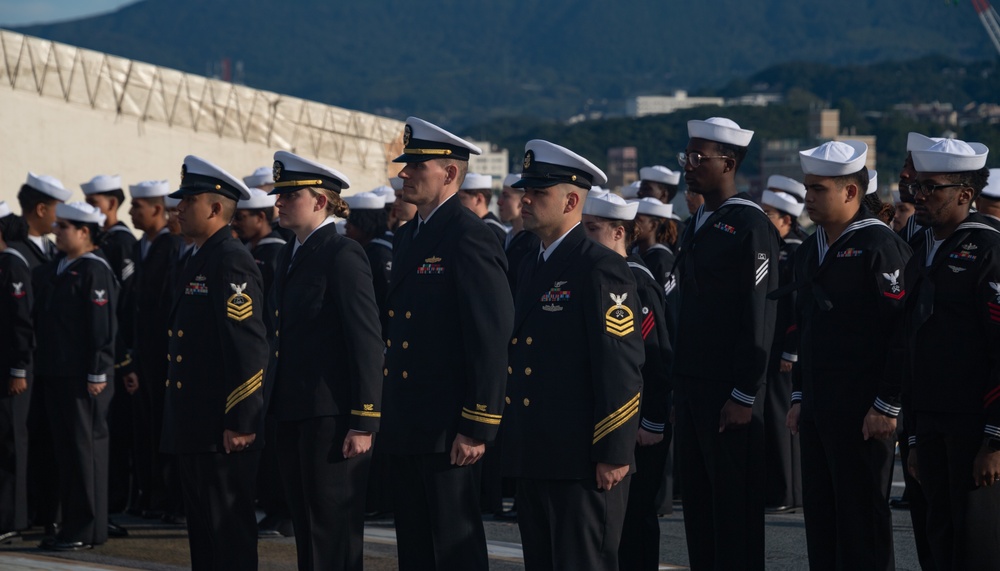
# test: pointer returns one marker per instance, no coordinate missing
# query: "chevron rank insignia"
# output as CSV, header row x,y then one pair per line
x,y
619,320
239,306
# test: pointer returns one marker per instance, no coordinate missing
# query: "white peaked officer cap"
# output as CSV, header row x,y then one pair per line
x,y
260,177
783,201
918,142
258,199
149,189
661,174
785,184
950,155
396,183
292,172
48,185
4,209
199,176
720,130
992,189
834,158
632,190
386,192
653,207
365,201
170,203
509,180
423,141
101,183
476,181
547,164
80,212
609,205
872,181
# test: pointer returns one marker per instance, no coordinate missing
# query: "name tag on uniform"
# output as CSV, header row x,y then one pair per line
x,y
196,288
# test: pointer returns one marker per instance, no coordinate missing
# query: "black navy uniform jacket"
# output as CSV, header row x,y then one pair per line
x,y
32,253
118,245
450,315
952,325
654,412
217,350
575,364
17,336
151,294
786,336
379,252
723,298
496,226
265,254
659,258
75,320
518,246
327,347
849,307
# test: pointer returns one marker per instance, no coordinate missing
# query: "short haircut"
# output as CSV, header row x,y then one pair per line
x,y
486,193
463,168
13,228
859,179
976,180
116,193
733,151
371,223
29,198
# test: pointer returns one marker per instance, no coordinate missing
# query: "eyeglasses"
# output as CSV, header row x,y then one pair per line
x,y
694,159
924,188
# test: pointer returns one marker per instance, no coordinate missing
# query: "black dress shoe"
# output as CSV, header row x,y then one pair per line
x,y
51,529
115,530
174,519
9,536
70,546
899,504
771,510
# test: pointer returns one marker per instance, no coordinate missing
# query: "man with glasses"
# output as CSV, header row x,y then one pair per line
x,y
952,328
727,264
844,400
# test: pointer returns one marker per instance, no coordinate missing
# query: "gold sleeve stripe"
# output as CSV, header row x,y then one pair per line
x,y
609,429
477,418
368,413
246,389
478,413
616,414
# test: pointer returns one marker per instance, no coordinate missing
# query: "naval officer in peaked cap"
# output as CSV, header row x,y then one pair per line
x,y
449,317
217,353
574,373
325,384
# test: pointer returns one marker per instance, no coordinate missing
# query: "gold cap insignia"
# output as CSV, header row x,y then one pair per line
x,y
368,407
276,170
407,135
529,158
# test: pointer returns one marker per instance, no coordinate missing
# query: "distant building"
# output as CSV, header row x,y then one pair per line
x,y
494,161
662,104
755,100
623,165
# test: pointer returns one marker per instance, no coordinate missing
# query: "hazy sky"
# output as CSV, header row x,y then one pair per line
x,y
22,12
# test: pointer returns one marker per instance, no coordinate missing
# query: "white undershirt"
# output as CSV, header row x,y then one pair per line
x,y
546,252
41,242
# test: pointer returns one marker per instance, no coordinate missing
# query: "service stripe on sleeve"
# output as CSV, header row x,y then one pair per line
x,y
616,418
243,391
482,417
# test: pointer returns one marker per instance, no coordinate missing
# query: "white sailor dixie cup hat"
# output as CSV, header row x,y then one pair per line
x,y
992,189
509,180
149,189
834,158
720,130
258,199
653,207
260,177
609,205
365,201
660,174
396,183
169,203
632,190
918,142
199,176
476,181
101,183
950,155
292,172
48,185
547,164
386,192
777,182
872,181
783,201
423,141
80,212
4,209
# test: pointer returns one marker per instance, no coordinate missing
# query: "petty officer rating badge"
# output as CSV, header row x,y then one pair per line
x,y
619,320
239,306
